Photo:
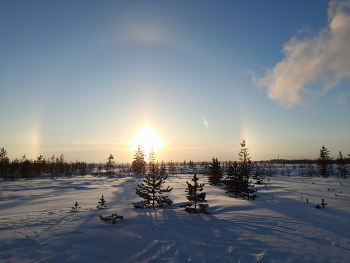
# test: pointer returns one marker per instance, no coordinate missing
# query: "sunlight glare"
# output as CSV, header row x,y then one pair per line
x,y
148,139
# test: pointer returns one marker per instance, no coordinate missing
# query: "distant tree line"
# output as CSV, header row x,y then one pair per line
x,y
54,167
25,168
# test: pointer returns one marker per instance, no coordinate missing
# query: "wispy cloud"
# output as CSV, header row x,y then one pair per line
x,y
342,99
324,58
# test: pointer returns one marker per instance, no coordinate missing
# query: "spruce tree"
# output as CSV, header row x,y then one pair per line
x,y
110,165
245,167
151,156
150,190
215,172
341,166
245,162
26,168
76,206
195,192
247,189
324,163
60,163
52,167
4,163
233,182
139,163
39,165
102,203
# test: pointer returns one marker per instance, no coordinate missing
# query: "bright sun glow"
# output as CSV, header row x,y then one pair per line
x,y
147,138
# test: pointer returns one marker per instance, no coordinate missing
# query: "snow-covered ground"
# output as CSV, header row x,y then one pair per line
x,y
37,223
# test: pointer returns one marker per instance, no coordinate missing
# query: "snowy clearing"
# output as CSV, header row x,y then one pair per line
x,y
37,223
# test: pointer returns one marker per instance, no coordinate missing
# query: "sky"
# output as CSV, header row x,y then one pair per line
x,y
81,78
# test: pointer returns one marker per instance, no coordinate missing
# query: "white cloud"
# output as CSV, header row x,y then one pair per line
x,y
325,58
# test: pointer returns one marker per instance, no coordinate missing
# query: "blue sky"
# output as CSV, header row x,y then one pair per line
x,y
80,78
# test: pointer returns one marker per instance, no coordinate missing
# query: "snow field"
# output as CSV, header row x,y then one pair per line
x,y
37,223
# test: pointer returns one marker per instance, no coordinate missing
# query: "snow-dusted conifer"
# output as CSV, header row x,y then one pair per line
x,y
233,180
245,167
139,163
324,163
341,166
110,165
215,172
150,190
195,193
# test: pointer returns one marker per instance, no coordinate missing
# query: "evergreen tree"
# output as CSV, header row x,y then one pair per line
x,y
26,168
14,173
150,190
234,180
99,169
245,167
76,206
195,192
245,160
67,169
162,168
39,165
247,189
310,169
258,173
341,166
139,163
151,156
4,163
60,165
52,166
324,163
215,172
102,203
110,165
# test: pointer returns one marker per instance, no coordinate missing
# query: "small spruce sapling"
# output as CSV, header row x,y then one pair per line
x,y
102,203
194,193
76,206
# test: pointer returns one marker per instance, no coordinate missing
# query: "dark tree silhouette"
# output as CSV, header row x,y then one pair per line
x,y
215,172
234,180
4,163
195,193
139,163
324,163
102,203
150,190
245,167
110,165
341,166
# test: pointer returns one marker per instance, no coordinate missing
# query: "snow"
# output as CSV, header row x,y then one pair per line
x,y
37,223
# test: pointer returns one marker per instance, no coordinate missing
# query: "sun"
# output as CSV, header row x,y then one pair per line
x,y
148,139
